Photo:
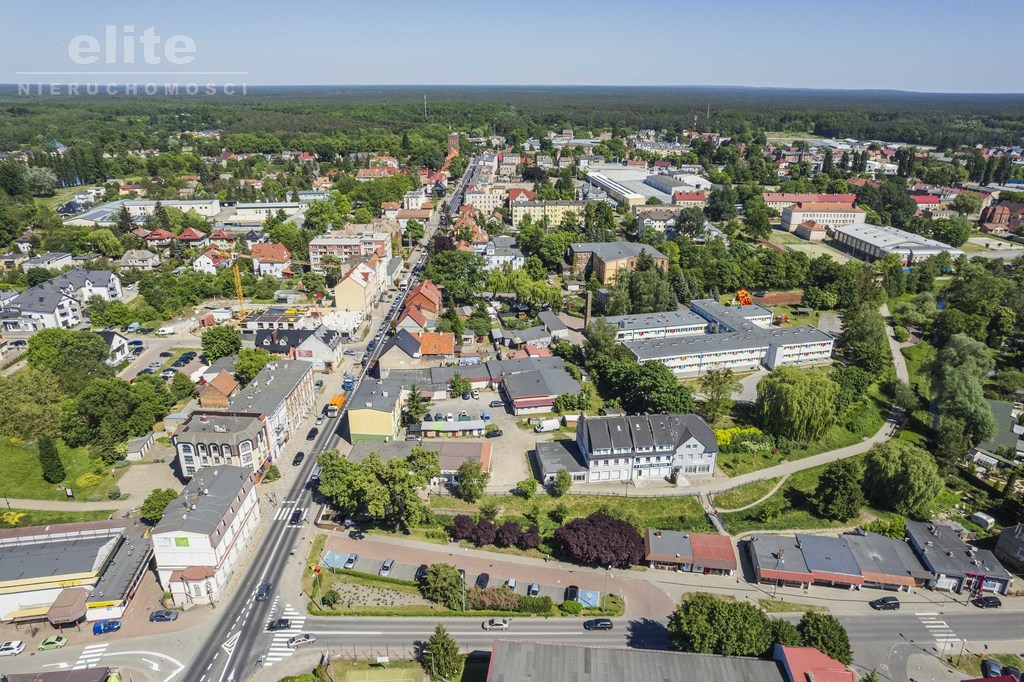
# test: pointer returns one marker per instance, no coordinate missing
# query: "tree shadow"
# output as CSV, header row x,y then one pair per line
x,y
646,633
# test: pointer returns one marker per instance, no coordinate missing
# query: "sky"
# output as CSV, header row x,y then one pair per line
x,y
917,45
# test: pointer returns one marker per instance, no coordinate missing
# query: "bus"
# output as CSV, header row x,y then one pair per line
x,y
334,407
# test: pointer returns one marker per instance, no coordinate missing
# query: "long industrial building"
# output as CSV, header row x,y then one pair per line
x,y
744,340
874,242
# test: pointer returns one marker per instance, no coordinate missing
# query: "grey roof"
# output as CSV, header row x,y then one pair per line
x,y
888,239
213,491
281,340
43,259
559,454
644,321
394,265
538,383
213,426
382,396
876,553
44,555
503,242
670,542
1005,436
500,368
946,553
605,433
272,385
607,251
111,336
736,317
827,554
226,364
766,549
327,336
37,300
551,321
658,349
530,335
516,661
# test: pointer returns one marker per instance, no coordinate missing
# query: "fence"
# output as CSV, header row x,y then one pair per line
x,y
628,490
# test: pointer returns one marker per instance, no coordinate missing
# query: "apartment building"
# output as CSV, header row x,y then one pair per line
x,y
783,200
483,200
646,447
605,259
554,211
346,246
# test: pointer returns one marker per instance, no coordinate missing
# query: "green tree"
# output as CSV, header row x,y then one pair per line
x,y
251,362
900,477
414,231
705,624
330,598
49,458
459,384
966,203
417,405
864,339
460,273
721,204
561,484
472,480
156,502
443,584
527,488
718,387
838,495
75,357
825,633
220,342
106,243
441,657
784,632
181,386
797,404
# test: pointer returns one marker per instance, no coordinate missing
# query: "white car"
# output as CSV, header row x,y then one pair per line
x,y
301,640
496,624
12,648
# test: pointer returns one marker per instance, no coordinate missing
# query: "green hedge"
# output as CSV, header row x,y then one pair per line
x,y
573,608
535,604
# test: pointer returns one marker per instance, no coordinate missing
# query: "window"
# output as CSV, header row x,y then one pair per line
x,y
185,448
244,447
201,447
188,459
225,450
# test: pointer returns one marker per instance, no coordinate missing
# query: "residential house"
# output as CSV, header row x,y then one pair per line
x,y
553,325
1010,546
690,552
426,297
349,246
272,259
283,393
374,411
360,287
139,259
37,309
646,446
518,194
159,238
211,261
84,285
807,664
553,211
416,349
686,199
536,391
50,261
320,346
1006,446
118,345
421,215
501,251
193,238
204,534
217,393
209,438
222,239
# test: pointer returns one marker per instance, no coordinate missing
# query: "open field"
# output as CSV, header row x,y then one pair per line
x,y
23,474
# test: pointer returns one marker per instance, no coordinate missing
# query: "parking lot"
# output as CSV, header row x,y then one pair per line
x,y
509,463
408,572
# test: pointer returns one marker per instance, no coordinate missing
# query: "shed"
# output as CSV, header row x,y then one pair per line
x,y
69,606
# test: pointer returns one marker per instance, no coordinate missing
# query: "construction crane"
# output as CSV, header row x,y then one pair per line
x,y
235,257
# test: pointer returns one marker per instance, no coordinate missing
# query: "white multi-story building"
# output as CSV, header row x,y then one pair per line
x,y
833,215
203,534
646,447
482,200
346,246
744,341
657,325
501,251
210,438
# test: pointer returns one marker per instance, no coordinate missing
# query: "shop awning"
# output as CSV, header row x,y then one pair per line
x,y
69,607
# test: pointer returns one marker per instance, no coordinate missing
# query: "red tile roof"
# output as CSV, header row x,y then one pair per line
x,y
689,196
713,551
807,664
190,234
436,343
271,253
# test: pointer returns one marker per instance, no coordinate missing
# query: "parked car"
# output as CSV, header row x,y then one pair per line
x,y
20,343
991,668
12,648
301,640
312,433
987,602
439,417
572,593
102,627
350,563
496,624
421,573
465,395
319,383
1012,671
597,624
449,418
428,417
297,459
486,416
533,590
385,568
148,370
279,624
886,604
482,580
263,592
136,342
511,584
476,394
163,616
166,354
496,433
168,374
53,642
156,364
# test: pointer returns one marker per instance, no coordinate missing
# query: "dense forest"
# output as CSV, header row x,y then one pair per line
x,y
340,119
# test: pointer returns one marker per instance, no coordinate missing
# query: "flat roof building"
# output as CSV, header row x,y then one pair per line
x,y
657,325
874,242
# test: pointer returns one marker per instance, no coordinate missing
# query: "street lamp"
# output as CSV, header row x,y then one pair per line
x,y
779,560
606,574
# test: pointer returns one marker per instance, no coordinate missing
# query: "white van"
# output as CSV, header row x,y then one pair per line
x,y
511,582
165,331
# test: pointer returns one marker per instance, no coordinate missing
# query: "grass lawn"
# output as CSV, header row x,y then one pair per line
x,y
667,513
971,663
745,494
795,509
23,518
783,606
917,357
23,475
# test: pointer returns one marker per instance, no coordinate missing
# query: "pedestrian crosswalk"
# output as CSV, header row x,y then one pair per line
x,y
938,629
90,656
279,649
285,513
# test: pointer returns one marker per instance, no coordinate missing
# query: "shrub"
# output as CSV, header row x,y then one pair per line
x,y
490,508
330,598
601,539
114,493
527,488
492,599
530,539
534,604
463,527
508,534
901,334
87,480
484,533
573,608
273,474
95,497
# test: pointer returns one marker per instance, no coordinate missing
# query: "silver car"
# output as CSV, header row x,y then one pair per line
x,y
301,640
